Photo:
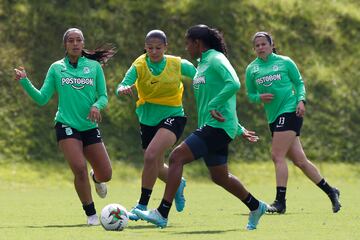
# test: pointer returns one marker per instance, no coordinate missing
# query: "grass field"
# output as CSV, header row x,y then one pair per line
x,y
38,201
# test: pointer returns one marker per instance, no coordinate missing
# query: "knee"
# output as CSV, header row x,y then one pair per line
x,y
103,175
150,156
107,177
276,158
219,179
81,173
175,157
300,163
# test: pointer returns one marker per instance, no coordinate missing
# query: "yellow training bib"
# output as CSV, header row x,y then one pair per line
x,y
164,89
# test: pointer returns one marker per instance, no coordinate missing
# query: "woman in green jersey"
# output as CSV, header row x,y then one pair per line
x,y
275,81
157,79
215,86
80,84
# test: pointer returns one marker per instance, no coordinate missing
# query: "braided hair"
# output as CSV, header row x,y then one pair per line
x,y
211,37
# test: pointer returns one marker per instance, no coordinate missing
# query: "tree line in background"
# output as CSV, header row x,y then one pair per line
x,y
320,36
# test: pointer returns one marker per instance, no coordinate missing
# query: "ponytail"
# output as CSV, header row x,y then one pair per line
x,y
101,54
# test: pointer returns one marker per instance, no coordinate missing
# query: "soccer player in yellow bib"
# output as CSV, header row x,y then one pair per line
x,y
215,86
157,79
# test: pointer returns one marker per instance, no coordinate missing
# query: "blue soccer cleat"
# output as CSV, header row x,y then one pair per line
x,y
179,196
131,213
255,215
152,216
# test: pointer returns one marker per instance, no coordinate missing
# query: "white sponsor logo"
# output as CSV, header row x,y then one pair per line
x,y
268,80
198,80
77,83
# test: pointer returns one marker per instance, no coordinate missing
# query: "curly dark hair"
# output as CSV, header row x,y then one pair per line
x,y
211,37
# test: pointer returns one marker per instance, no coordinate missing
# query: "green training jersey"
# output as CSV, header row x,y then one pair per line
x,y
79,88
279,76
149,113
215,85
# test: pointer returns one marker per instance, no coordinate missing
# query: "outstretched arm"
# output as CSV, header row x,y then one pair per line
x,y
41,96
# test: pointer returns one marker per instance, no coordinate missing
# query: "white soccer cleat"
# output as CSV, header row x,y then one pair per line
x,y
100,188
93,220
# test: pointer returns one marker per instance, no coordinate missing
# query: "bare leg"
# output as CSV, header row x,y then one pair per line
x,y
180,156
163,140
297,155
163,171
281,143
221,176
73,152
99,160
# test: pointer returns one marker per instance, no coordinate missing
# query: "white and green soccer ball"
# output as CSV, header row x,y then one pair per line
x,y
114,217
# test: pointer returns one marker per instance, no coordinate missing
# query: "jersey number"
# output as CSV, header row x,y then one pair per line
x,y
281,120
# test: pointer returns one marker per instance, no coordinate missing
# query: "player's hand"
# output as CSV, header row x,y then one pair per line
x,y
266,97
125,90
250,136
300,109
94,115
20,73
217,115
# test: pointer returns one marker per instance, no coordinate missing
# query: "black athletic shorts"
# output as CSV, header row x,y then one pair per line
x,y
210,143
286,122
174,124
88,137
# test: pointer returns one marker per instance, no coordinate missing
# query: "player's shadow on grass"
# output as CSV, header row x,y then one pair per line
x,y
209,232
149,226
275,214
60,226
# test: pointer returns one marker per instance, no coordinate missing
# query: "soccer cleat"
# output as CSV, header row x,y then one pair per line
x,y
93,220
277,207
100,188
152,216
131,213
179,196
334,197
255,215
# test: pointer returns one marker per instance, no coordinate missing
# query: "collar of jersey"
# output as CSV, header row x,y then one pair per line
x,y
67,61
269,58
205,54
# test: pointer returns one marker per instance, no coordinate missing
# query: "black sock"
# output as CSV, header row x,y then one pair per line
x,y
93,177
280,194
145,196
164,208
324,186
251,202
89,209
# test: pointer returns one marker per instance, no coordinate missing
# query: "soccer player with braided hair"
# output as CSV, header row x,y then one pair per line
x,y
215,86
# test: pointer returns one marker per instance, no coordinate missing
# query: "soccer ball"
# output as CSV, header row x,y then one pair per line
x,y
114,217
